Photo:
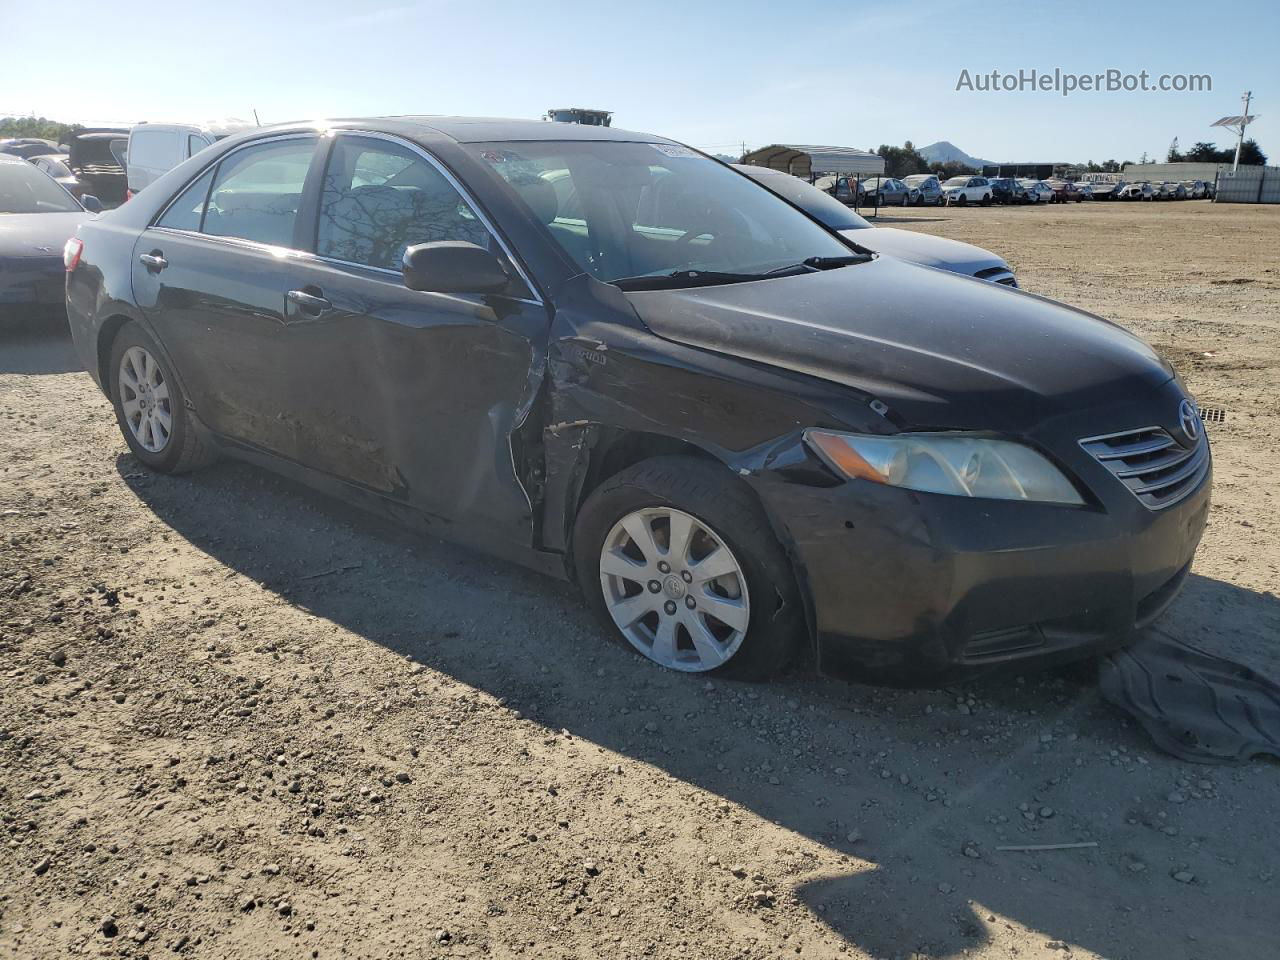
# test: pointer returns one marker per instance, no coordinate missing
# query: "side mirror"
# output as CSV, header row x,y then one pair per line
x,y
91,203
453,266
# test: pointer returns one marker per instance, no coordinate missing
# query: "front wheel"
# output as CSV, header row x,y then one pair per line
x,y
150,407
677,559
963,200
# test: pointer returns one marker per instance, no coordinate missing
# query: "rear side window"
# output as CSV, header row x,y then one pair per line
x,y
377,198
154,149
194,144
257,192
187,211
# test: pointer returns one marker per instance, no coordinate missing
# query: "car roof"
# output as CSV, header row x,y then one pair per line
x,y
218,128
479,129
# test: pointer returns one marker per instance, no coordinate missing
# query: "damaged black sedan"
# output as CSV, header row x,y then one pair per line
x,y
612,358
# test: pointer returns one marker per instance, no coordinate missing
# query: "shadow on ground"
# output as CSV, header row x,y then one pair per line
x,y
36,346
917,776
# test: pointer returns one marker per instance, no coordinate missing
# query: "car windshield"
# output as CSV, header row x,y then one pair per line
x,y
624,211
821,206
24,189
916,179
957,182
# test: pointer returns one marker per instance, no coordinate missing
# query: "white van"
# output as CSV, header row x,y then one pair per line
x,y
156,148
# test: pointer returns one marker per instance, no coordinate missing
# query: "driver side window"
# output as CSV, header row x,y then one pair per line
x,y
377,198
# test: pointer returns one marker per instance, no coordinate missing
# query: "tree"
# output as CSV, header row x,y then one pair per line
x,y
1202,152
1250,153
36,127
902,161
1173,156
953,168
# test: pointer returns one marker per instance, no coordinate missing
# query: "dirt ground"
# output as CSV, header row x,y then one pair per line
x,y
239,720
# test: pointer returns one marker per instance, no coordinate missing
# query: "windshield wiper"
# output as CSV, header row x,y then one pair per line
x,y
683,278
819,263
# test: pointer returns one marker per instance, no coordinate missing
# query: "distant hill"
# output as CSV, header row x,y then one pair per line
x,y
946,152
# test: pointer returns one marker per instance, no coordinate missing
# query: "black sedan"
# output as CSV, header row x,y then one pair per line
x,y
37,215
612,358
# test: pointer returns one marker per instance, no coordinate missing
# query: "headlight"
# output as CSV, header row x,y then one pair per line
x,y
946,463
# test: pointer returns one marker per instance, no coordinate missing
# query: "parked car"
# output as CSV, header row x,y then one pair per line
x,y
1006,190
742,434
1169,190
37,216
1195,189
964,190
155,148
1108,190
919,248
1064,191
28,147
927,188
1036,191
885,192
1136,191
848,190
97,159
1085,190
55,166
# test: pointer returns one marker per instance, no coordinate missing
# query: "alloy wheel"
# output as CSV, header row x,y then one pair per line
x,y
144,397
674,589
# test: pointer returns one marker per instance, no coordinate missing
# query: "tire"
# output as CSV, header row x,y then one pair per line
x,y
716,500
962,200
183,448
986,200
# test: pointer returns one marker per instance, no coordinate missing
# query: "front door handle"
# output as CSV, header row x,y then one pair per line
x,y
309,302
154,261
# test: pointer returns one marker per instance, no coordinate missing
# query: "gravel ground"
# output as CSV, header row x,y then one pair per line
x,y
240,720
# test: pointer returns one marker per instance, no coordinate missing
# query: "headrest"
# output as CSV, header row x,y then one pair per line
x,y
540,197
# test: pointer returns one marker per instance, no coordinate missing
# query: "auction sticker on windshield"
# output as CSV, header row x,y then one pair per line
x,y
675,150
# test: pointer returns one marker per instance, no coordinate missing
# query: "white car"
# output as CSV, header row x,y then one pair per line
x,y
1037,191
965,190
938,252
1137,191
156,148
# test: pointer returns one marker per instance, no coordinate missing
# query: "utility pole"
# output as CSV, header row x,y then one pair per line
x,y
1248,95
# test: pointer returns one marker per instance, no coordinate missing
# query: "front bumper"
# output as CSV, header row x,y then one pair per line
x,y
912,588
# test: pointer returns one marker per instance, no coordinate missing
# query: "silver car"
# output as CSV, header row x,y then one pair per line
x,y
926,188
938,252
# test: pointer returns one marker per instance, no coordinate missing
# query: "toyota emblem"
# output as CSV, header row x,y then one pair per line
x,y
1189,419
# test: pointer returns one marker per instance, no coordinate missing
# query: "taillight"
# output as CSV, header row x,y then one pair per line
x,y
71,253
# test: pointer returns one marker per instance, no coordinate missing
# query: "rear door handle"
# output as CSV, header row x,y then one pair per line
x,y
153,261
309,302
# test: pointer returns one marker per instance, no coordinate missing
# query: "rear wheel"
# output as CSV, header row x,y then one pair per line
x,y
677,559
150,407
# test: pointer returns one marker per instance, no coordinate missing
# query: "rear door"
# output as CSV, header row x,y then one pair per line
x,y
411,394
212,273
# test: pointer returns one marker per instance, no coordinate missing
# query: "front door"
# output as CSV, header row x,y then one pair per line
x,y
417,393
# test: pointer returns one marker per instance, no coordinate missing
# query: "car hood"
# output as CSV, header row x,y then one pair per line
x,y
943,351
925,249
24,234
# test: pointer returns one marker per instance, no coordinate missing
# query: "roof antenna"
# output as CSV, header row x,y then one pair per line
x,y
255,118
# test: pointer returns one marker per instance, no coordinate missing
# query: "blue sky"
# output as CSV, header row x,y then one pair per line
x,y
713,74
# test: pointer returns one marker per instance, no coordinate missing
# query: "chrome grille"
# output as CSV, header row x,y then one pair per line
x,y
1156,468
